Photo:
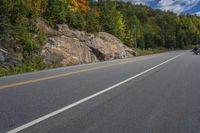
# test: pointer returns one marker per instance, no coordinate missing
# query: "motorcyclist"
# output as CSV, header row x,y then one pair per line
x,y
195,48
197,51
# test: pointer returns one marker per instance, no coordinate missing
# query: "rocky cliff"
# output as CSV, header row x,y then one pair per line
x,y
68,46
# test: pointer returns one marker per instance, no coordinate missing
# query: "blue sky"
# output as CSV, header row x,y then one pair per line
x,y
177,6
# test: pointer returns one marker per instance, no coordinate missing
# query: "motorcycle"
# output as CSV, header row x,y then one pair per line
x,y
196,51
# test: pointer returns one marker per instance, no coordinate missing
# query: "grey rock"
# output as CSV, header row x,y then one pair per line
x,y
69,46
6,60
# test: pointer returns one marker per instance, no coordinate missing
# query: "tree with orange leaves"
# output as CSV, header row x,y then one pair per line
x,y
80,5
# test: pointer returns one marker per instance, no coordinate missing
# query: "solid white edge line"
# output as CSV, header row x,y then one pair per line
x,y
29,124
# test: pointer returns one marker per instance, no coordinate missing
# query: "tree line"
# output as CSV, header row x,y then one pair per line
x,y
136,25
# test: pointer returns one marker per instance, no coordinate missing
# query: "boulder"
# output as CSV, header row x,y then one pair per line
x,y
7,60
67,51
69,47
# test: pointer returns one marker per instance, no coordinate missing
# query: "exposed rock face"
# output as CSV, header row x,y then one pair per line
x,y
67,46
6,60
66,50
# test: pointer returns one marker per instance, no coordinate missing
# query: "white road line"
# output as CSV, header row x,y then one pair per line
x,y
36,121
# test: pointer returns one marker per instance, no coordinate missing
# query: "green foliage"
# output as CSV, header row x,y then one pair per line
x,y
17,24
92,22
150,50
30,64
25,39
56,11
75,20
6,27
111,20
25,67
136,25
129,38
41,37
148,28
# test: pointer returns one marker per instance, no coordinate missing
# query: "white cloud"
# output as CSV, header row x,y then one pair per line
x,y
177,6
137,2
197,13
144,2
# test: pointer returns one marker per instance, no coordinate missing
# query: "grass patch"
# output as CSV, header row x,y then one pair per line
x,y
149,51
31,66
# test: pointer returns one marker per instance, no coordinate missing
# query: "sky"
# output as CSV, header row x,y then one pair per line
x,y
177,6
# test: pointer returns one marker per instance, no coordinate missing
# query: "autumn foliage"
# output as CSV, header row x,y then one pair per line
x,y
136,25
80,5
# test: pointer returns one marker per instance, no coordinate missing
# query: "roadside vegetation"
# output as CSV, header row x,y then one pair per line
x,y
139,27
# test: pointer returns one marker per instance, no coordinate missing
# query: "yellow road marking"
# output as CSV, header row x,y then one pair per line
x,y
64,74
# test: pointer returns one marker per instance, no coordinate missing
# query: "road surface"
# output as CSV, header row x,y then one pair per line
x,y
149,94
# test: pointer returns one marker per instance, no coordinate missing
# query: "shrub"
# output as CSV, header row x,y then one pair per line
x,y
92,22
25,39
76,20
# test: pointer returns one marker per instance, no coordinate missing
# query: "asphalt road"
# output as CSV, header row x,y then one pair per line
x,y
149,94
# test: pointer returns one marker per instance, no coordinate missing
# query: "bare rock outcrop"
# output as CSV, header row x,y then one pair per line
x,y
68,46
7,60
